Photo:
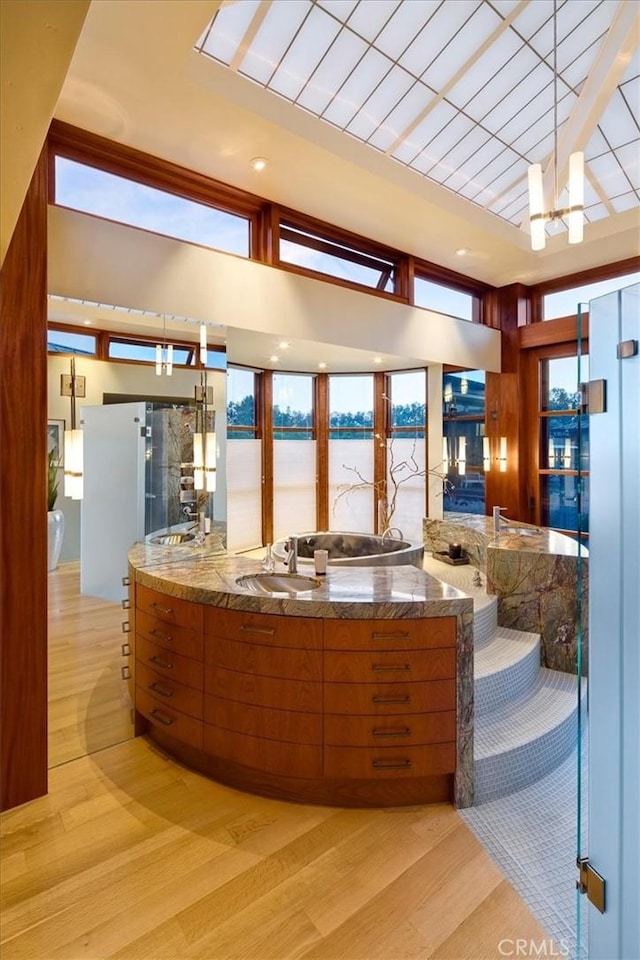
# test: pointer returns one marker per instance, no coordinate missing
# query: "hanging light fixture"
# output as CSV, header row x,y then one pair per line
x,y
203,344
164,353
204,439
73,386
574,213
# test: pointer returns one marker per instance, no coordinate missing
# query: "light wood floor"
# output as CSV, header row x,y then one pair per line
x,y
88,703
132,856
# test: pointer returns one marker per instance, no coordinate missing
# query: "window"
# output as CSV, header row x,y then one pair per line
x,y
563,455
144,351
350,407
65,341
406,451
463,418
407,395
241,404
564,303
443,299
320,254
94,191
292,406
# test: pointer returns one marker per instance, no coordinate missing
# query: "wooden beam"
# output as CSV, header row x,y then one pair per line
x,y
23,486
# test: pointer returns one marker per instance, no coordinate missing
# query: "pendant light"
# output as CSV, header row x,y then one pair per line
x,y
164,353
73,386
574,213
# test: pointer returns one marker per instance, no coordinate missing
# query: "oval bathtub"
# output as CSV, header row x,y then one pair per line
x,y
354,549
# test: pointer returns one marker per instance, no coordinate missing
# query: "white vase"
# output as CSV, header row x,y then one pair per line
x,y
56,536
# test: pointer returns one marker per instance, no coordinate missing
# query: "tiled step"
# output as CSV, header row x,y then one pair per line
x,y
485,620
505,668
525,739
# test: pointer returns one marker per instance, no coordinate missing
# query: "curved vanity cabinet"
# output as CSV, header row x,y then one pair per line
x,y
346,712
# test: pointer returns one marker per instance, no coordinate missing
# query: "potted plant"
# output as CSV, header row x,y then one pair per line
x,y
55,517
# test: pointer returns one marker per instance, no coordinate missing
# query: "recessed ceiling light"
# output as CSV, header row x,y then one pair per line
x,y
274,359
87,323
259,163
322,365
283,345
377,359
462,251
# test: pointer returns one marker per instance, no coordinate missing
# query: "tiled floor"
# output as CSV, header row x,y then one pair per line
x,y
531,835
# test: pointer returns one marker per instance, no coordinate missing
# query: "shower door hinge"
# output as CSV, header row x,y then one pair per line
x,y
145,432
626,349
593,396
590,882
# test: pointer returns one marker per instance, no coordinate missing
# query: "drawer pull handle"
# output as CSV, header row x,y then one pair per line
x,y
125,649
158,688
391,667
269,631
160,663
402,699
125,671
126,626
126,581
162,609
391,636
126,603
390,764
162,718
401,732
161,636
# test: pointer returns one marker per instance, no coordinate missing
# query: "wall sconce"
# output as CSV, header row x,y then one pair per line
x,y
462,456
464,385
551,458
486,454
445,455
73,386
501,456
566,456
204,440
164,353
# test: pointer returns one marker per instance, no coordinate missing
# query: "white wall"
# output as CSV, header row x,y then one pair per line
x,y
133,380
128,267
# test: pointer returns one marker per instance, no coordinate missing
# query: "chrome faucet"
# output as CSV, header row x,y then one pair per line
x,y
498,518
291,560
394,533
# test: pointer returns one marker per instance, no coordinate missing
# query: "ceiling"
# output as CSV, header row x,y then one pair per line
x,y
453,175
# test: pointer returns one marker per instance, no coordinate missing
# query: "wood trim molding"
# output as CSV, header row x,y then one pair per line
x,y
606,271
322,450
563,330
265,422
380,431
23,536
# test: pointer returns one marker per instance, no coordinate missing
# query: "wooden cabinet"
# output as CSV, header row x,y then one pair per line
x,y
169,673
300,707
389,698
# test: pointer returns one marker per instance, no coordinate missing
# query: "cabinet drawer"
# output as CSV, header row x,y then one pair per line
x,y
427,632
167,691
169,664
176,724
370,763
289,725
388,699
264,661
303,632
289,759
396,731
264,691
183,640
399,665
169,609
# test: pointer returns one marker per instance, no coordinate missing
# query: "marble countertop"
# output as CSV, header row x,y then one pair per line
x,y
513,535
202,575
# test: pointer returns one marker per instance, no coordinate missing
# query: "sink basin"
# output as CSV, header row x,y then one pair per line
x,y
278,582
173,539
